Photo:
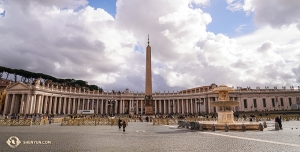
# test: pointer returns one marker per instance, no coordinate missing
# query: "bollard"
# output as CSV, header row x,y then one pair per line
x,y
243,127
265,125
226,128
213,127
276,126
201,127
261,128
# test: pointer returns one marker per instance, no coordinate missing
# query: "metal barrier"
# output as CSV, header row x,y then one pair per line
x,y
15,122
92,121
166,121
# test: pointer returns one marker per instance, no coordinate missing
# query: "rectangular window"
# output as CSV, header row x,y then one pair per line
x,y
264,103
290,101
273,102
245,103
281,102
254,103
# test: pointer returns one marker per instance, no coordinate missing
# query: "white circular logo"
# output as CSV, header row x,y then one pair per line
x,y
13,141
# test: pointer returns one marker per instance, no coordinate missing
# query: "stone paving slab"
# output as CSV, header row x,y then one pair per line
x,y
142,136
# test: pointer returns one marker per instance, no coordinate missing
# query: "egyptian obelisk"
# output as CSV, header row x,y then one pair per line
x,y
148,85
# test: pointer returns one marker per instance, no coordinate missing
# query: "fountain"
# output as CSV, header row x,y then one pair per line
x,y
225,113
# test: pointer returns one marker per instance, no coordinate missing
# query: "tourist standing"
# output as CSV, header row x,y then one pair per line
x,y
124,125
278,120
49,118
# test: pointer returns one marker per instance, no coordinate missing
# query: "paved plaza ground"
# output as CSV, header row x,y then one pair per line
x,y
142,136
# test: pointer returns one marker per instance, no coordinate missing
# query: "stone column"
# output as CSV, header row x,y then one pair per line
x,y
50,105
97,106
177,106
41,104
38,103
88,104
74,105
6,102
137,107
106,107
59,106
78,104
142,108
101,106
93,100
187,105
55,104
182,106
65,105
165,107
155,110
69,105
12,104
22,104
45,104
159,105
27,107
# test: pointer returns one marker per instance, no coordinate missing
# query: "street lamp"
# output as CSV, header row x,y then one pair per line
x,y
172,107
199,102
111,103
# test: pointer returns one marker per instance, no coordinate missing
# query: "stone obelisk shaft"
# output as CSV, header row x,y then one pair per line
x,y
148,72
148,85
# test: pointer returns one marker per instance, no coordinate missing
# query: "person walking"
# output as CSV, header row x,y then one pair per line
x,y
124,125
278,120
119,123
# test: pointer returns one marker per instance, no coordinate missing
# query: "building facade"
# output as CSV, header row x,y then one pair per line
x,y
37,98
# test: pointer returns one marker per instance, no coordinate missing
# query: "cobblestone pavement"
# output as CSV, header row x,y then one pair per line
x,y
141,136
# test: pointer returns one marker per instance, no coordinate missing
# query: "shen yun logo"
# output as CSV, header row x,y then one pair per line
x,y
13,142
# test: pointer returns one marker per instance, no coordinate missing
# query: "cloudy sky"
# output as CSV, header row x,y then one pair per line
x,y
194,42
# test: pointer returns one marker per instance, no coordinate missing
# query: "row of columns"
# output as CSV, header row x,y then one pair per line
x,y
48,104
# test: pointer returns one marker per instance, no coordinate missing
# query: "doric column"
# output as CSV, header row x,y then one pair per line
x,y
137,106
101,106
12,104
177,106
187,105
155,110
123,106
41,104
78,104
69,105
192,111
93,100
165,107
45,104
54,106
65,105
142,108
27,107
6,103
169,108
38,103
50,105
59,105
97,106
88,104
74,105
159,105
106,107
182,106
22,104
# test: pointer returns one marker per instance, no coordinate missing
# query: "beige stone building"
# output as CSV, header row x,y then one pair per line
x,y
44,99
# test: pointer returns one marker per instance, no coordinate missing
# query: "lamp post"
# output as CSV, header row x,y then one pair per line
x,y
172,107
199,102
111,103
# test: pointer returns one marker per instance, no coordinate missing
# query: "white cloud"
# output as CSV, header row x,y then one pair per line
x,y
276,13
74,40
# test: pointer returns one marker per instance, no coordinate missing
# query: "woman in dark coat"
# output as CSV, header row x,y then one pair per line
x,y
124,125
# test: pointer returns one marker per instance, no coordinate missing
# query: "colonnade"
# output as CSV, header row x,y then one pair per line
x,y
43,103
